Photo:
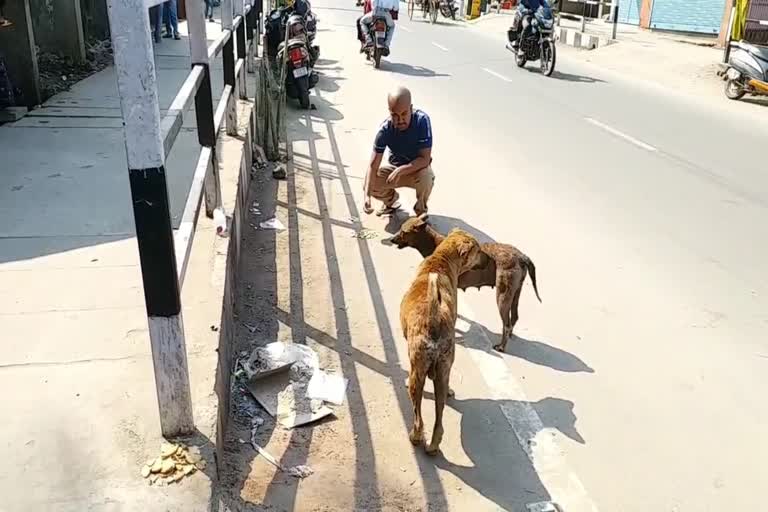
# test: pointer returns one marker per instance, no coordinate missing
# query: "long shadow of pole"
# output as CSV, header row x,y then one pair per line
x,y
365,458
428,471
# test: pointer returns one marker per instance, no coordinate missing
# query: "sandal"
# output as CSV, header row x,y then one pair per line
x,y
387,210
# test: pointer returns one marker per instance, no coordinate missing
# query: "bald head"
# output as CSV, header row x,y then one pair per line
x,y
399,101
399,97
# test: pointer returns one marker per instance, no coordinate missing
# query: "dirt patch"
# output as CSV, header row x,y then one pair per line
x,y
59,74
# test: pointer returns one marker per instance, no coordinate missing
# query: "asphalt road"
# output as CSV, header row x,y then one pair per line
x,y
644,211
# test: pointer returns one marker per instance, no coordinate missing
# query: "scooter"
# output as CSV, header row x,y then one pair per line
x,y
296,27
299,76
747,71
378,36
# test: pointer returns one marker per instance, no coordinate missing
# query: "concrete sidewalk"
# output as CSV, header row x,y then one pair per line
x,y
75,363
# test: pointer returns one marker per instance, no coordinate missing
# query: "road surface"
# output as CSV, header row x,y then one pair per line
x,y
637,385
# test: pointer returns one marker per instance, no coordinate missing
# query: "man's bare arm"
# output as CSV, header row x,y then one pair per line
x,y
373,168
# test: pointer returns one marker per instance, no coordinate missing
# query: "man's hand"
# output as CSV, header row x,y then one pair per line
x,y
394,175
367,208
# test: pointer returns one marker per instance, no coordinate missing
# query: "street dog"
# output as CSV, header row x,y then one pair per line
x,y
428,319
502,266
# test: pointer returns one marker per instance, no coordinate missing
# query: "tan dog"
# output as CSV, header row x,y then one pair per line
x,y
428,318
502,266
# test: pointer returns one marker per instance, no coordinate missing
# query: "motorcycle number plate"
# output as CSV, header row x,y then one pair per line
x,y
381,35
299,72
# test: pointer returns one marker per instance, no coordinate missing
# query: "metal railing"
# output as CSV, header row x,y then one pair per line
x,y
148,141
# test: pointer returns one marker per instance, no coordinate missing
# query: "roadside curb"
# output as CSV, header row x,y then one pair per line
x,y
578,39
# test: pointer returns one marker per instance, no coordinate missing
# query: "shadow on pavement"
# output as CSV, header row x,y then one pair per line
x,y
536,352
406,69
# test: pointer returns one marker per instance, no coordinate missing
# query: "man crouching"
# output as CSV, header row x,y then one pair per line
x,y
408,135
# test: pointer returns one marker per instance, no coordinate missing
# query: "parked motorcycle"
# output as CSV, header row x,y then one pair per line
x,y
296,26
298,19
747,71
378,37
535,38
299,76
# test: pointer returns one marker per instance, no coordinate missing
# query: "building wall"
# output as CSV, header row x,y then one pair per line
x,y
700,16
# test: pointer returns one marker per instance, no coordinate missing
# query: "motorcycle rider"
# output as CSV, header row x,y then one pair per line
x,y
384,9
360,36
523,7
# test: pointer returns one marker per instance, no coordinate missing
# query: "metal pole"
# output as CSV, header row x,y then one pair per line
x,y
584,17
206,130
228,56
241,46
727,49
137,85
615,15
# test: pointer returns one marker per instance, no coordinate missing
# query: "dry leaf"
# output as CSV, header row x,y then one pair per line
x,y
200,465
189,469
167,467
157,465
167,449
145,471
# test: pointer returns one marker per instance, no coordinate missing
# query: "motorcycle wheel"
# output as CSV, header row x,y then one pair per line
x,y
520,61
734,90
302,91
376,58
548,57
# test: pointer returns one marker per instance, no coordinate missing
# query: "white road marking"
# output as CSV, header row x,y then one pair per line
x,y
403,27
536,440
440,46
497,75
623,135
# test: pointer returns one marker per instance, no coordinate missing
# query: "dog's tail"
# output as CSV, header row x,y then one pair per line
x,y
532,271
433,304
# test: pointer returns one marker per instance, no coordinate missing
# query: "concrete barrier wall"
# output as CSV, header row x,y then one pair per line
x,y
58,26
228,316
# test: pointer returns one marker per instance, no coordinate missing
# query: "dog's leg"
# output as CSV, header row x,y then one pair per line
x,y
513,316
415,391
442,377
504,301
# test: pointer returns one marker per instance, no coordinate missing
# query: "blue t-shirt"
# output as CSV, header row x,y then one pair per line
x,y
404,146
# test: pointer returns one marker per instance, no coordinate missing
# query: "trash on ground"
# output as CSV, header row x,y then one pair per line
x,y
301,471
279,376
174,463
273,223
279,172
326,387
221,221
365,234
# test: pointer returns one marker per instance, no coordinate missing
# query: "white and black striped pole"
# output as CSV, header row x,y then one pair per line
x,y
241,45
228,57
204,112
137,85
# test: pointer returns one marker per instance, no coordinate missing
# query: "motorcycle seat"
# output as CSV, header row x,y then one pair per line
x,y
291,43
760,52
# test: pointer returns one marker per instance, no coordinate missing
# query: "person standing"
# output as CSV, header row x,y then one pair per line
x,y
209,9
156,22
408,135
171,18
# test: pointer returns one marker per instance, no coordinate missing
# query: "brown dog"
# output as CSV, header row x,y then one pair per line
x,y
428,318
502,266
